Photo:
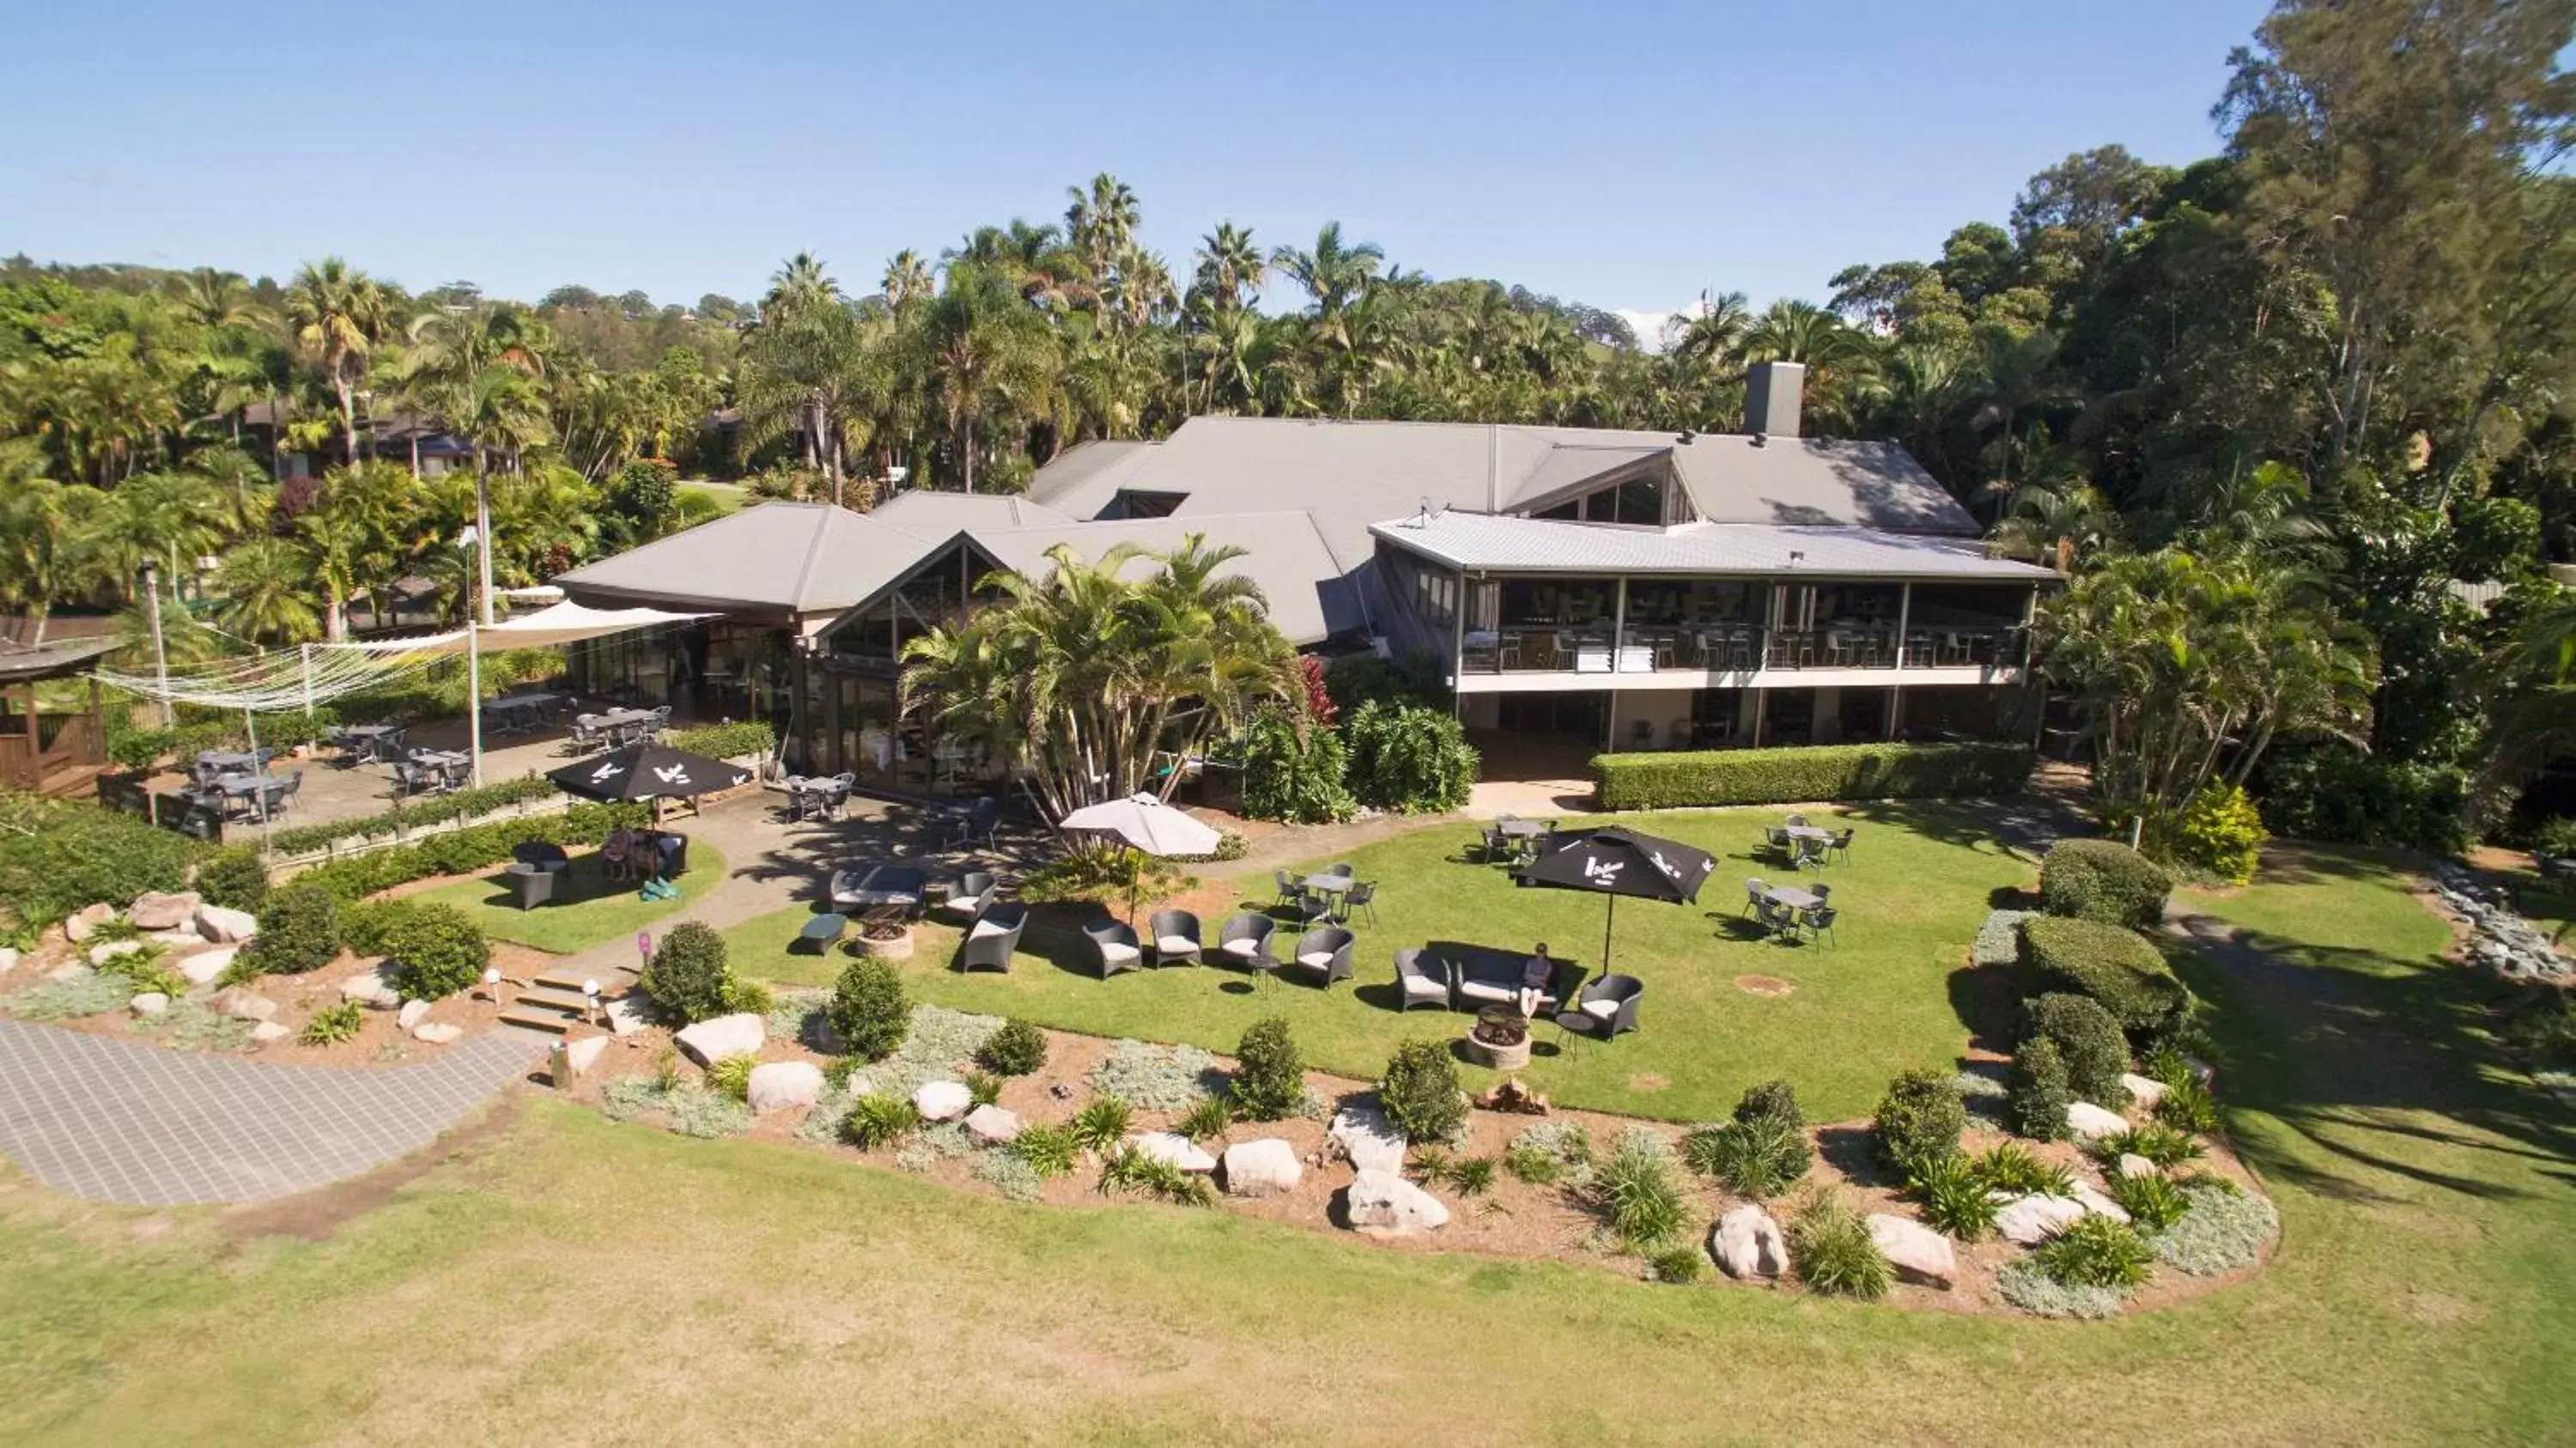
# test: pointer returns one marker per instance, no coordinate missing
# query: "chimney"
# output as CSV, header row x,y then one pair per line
x,y
1773,392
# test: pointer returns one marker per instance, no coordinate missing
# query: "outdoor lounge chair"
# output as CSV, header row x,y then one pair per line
x,y
1114,943
1362,896
1606,1009
1176,937
1326,952
1245,941
994,937
967,898
1422,983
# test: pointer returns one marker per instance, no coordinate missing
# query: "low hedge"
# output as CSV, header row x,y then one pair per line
x,y
2111,965
726,741
2103,880
464,804
354,877
1809,773
57,856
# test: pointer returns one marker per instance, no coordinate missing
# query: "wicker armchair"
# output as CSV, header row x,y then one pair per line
x,y
1114,944
1325,952
994,937
1176,937
1245,940
1606,1009
968,897
1421,982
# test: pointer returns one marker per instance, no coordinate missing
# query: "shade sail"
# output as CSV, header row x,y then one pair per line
x,y
647,771
562,623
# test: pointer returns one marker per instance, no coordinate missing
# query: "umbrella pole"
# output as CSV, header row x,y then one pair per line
x,y
1607,916
474,698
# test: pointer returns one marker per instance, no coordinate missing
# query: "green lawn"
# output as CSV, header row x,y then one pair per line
x,y
589,907
579,1281
728,497
1889,996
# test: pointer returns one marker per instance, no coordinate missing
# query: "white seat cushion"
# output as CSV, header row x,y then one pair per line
x,y
1117,950
1480,991
965,904
1316,958
987,927
1601,1010
1176,945
1415,985
1242,947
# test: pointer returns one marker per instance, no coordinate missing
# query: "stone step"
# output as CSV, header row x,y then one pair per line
x,y
538,1021
563,981
553,1000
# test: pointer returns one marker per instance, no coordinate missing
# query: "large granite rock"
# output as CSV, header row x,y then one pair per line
x,y
8,959
437,1033
741,1034
1361,1136
580,1056
150,1003
942,1100
268,1033
369,989
1748,1244
224,926
86,921
778,1085
2099,1204
2145,1090
186,939
1918,1253
2088,1121
411,1014
629,1013
1173,1149
207,966
106,951
993,1125
242,1005
2030,1220
156,911
2133,1165
1383,1203
1262,1168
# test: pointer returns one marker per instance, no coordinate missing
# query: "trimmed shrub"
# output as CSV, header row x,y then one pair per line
x,y
2095,1251
1637,1195
1999,938
437,950
458,852
1830,1251
1814,773
299,930
408,816
1918,1120
1409,760
2103,880
1773,1100
2089,1040
1269,1077
235,878
57,856
1293,771
1017,1049
727,741
1678,1265
2040,1093
868,1010
2114,966
1420,1092
2220,832
688,975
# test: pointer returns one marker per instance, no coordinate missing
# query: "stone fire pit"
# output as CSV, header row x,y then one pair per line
x,y
1500,1039
883,940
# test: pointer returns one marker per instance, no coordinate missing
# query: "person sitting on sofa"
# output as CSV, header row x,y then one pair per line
x,y
614,850
1536,972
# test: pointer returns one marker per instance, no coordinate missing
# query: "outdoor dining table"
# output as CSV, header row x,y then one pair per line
x,y
225,761
1521,829
1328,884
368,739
1791,896
1806,832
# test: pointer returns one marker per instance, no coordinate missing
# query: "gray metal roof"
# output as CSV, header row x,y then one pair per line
x,y
796,558
1309,598
54,658
1476,541
1094,468
936,514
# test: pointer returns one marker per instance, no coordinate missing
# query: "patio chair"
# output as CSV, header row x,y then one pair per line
x,y
994,937
969,895
1840,844
1778,920
1820,922
1313,906
1806,850
800,797
1290,892
275,798
1753,896
1326,952
1796,822
1176,937
411,779
1343,868
660,721
1492,844
587,733
1606,1010
1362,896
1114,943
1421,983
1245,940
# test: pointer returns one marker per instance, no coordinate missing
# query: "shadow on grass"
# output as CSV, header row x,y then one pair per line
x,y
1987,1000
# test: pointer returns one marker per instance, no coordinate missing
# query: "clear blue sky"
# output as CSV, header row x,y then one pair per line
x,y
1622,155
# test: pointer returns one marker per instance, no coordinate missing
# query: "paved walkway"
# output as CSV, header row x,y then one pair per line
x,y
133,1122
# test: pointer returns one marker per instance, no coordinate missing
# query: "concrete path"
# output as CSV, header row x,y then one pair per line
x,y
132,1122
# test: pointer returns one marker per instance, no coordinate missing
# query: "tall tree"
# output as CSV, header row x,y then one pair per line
x,y
339,314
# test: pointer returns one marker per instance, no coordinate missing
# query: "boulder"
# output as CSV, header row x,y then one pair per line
x,y
942,1100
2030,1220
205,966
87,920
629,1013
580,1056
102,953
1383,1203
368,988
150,1003
1361,1135
187,939
1918,1253
242,1005
741,1034
993,1125
1172,1148
268,1031
1261,1168
225,927
1748,1244
437,1033
411,1014
8,959
2088,1121
2134,1165
2145,1090
2099,1204
777,1085
156,911
2201,1071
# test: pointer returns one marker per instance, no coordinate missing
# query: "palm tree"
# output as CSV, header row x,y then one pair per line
x,y
33,520
265,592
499,410
1101,222
982,348
907,280
1714,336
353,532
802,282
1230,269
2015,372
1333,273
339,314
815,370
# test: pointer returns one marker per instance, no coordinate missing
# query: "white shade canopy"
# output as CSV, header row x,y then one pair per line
x,y
1148,824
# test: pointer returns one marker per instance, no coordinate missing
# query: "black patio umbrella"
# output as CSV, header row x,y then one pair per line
x,y
647,771
1613,861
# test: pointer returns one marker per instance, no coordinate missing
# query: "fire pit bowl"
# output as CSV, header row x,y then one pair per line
x,y
1500,1039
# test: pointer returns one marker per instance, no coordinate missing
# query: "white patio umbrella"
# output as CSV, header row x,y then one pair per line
x,y
1148,825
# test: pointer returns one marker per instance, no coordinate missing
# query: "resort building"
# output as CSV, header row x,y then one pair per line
x,y
1577,588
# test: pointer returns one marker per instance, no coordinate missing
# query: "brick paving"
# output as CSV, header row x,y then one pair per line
x,y
131,1122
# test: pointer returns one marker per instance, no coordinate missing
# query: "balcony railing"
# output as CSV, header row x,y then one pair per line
x,y
1739,649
